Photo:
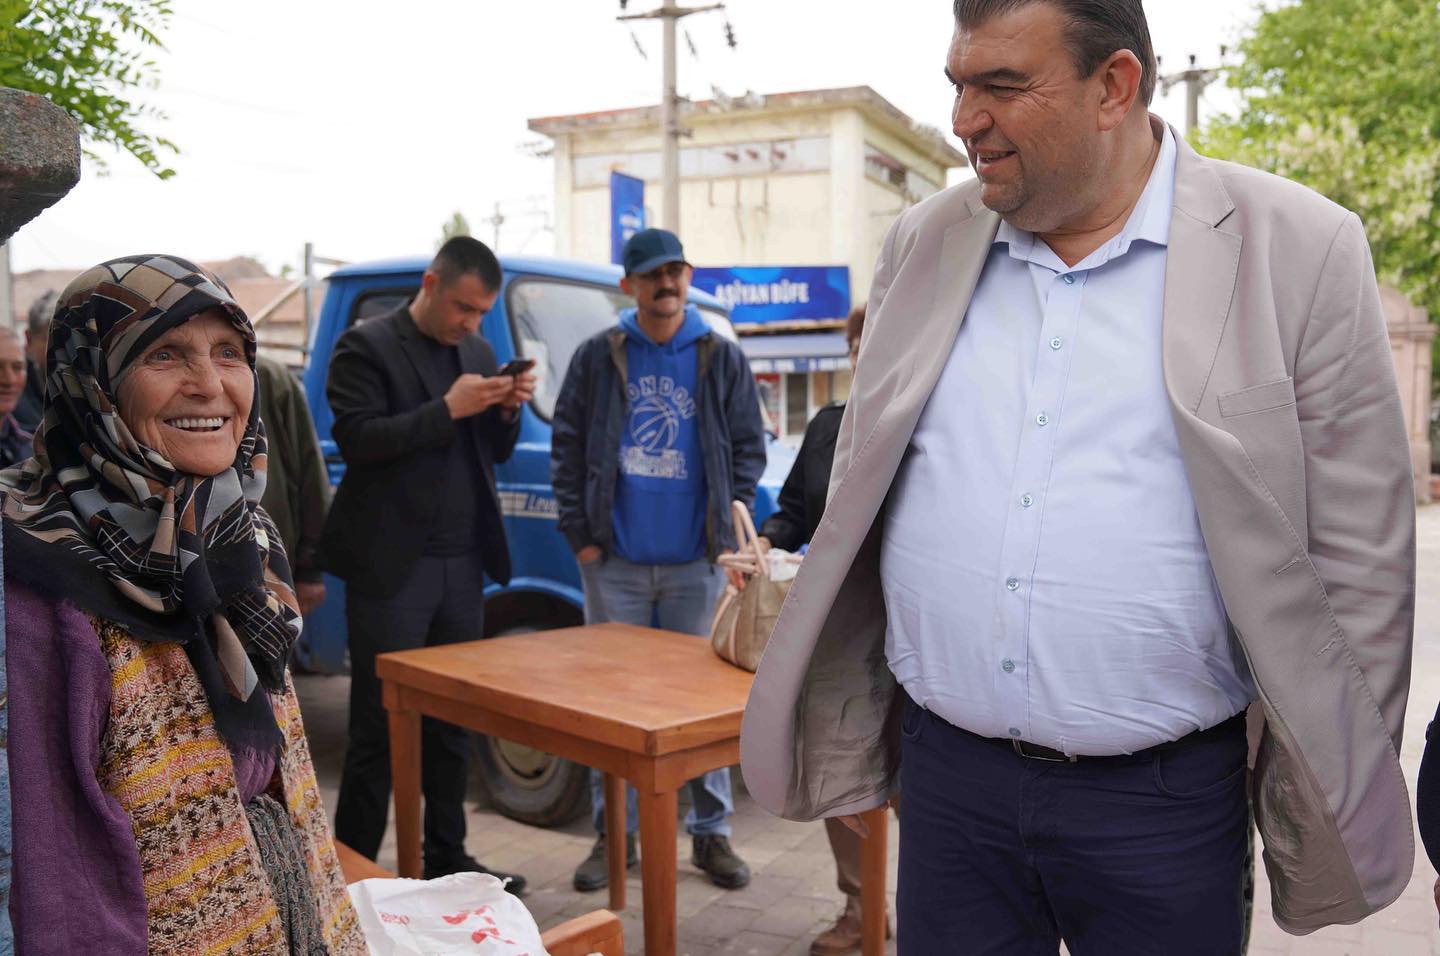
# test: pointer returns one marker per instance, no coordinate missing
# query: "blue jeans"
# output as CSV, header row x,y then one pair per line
x,y
675,597
1120,855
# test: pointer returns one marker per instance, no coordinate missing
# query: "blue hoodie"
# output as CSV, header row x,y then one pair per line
x,y
659,514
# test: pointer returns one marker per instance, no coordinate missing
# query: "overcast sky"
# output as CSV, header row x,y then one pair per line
x,y
362,126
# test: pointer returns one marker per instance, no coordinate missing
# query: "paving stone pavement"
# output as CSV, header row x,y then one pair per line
x,y
793,896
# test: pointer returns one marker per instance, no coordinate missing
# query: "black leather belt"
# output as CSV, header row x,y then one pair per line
x,y
1031,751
1037,752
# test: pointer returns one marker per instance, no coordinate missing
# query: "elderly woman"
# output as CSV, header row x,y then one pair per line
x,y
164,798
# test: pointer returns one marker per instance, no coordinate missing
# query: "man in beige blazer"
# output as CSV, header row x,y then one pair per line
x,y
1074,766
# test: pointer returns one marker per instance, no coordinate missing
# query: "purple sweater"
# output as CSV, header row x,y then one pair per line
x,y
77,881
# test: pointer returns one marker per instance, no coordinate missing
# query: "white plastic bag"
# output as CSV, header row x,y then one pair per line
x,y
461,913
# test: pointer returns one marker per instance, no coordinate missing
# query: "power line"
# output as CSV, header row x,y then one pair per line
x,y
1195,78
669,14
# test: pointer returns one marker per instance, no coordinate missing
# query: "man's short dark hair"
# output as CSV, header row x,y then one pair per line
x,y
466,255
1095,30
42,310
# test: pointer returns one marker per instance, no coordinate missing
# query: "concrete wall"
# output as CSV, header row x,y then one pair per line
x,y
751,220
816,207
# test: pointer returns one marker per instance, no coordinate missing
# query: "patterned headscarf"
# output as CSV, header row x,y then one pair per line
x,y
110,523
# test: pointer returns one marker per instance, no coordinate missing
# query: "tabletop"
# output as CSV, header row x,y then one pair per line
x,y
646,691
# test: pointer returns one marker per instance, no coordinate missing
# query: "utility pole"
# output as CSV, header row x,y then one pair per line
x,y
1195,80
496,221
670,130
309,292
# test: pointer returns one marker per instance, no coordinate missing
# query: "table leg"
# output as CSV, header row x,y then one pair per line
x,y
873,859
405,779
616,838
657,869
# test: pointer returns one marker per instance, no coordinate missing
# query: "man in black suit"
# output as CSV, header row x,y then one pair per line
x,y
421,418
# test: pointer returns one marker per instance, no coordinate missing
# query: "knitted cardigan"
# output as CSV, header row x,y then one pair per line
x,y
130,834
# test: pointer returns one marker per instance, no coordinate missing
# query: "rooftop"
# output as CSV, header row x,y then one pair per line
x,y
880,110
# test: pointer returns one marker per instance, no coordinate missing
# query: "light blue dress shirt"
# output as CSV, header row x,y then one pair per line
x,y
1044,574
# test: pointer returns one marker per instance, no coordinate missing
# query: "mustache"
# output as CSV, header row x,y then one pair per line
x,y
667,294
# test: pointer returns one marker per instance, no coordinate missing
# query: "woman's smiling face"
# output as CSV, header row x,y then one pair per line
x,y
189,396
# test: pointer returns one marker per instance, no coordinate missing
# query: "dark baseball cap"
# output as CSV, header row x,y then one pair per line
x,y
650,249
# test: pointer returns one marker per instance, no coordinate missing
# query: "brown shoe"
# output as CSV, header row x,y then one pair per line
x,y
844,936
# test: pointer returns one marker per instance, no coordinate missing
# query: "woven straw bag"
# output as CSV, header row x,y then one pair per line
x,y
744,618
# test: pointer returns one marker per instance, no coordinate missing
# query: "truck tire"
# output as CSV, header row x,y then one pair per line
x,y
530,785
523,783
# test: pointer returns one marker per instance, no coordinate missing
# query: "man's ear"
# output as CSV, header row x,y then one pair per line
x,y
626,286
1120,78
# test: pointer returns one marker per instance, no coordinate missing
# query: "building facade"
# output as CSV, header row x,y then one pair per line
x,y
793,180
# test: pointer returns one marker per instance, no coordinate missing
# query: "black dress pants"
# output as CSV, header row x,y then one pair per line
x,y
442,602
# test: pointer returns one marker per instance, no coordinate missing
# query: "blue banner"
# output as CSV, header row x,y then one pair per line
x,y
762,294
627,211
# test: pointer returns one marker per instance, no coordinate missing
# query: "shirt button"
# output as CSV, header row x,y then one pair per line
x,y
1012,584
1026,501
1042,419
1069,278
1014,731
1056,342
1007,666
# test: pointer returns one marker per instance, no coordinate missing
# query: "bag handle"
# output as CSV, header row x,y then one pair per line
x,y
746,539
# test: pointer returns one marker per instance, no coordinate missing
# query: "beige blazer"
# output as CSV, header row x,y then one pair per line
x,y
1280,380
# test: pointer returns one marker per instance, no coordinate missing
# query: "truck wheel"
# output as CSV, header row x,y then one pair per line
x,y
532,786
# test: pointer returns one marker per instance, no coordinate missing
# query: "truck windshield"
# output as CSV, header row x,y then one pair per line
x,y
551,317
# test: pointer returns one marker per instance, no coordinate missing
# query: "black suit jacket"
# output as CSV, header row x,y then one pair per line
x,y
394,431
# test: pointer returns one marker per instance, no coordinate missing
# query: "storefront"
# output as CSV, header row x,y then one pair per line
x,y
791,321
797,374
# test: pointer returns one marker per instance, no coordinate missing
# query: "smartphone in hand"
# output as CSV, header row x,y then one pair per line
x,y
516,366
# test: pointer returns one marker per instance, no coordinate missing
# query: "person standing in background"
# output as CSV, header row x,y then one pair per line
x,y
297,493
421,418
802,504
656,431
15,439
37,337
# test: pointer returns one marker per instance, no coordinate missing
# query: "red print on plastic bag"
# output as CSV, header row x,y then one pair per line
x,y
490,932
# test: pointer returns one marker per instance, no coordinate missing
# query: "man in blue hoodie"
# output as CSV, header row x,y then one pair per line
x,y
656,430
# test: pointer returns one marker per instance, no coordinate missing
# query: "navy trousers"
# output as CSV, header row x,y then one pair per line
x,y
442,602
1004,854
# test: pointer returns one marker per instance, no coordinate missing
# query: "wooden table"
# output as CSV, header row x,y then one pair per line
x,y
649,707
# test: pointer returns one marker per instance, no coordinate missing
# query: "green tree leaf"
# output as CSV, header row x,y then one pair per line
x,y
89,58
457,226
1344,96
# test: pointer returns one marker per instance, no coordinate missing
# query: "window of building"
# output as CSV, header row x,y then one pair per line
x,y
797,404
756,158
821,388
882,167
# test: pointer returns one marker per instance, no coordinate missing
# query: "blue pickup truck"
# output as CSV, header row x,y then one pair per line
x,y
545,309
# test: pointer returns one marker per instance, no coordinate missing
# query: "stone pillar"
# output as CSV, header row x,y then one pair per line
x,y
1410,336
39,157
39,163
